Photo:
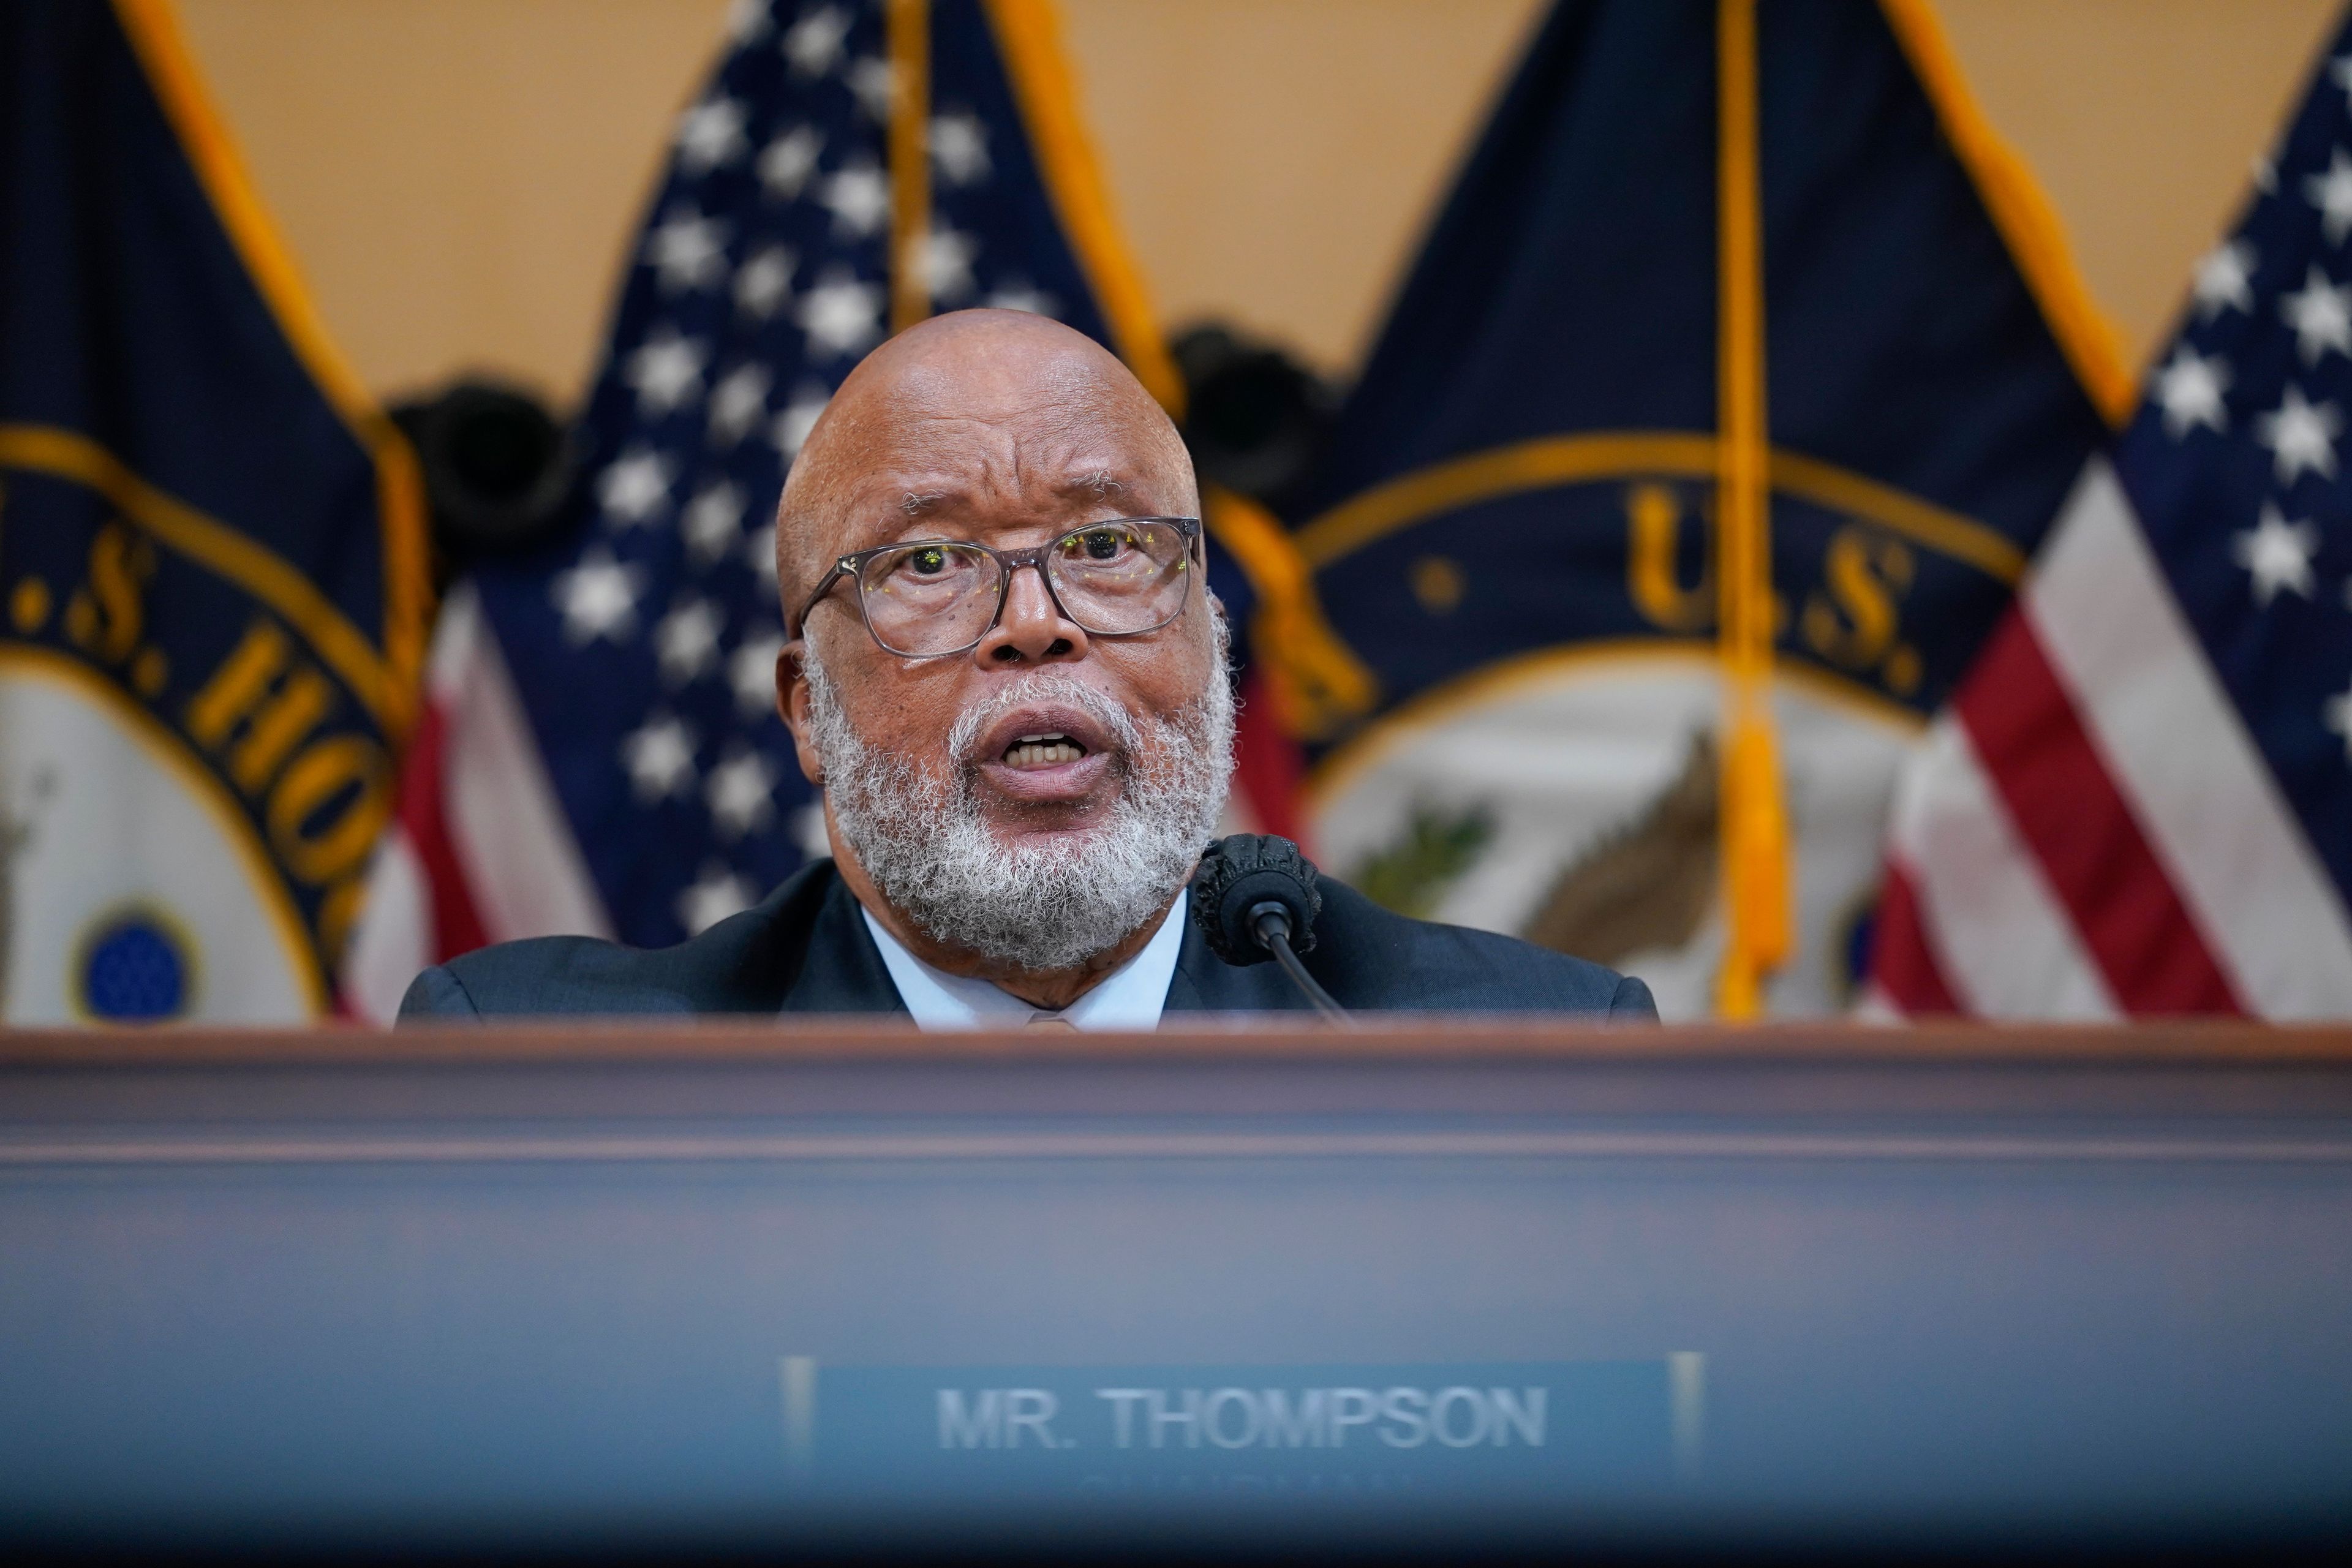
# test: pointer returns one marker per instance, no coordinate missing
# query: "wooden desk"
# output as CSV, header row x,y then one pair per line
x,y
512,1285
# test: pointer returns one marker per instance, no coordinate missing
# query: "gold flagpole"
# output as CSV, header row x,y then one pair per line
x,y
1754,822
909,24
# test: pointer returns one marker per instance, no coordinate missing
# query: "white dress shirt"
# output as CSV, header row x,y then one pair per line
x,y
1130,997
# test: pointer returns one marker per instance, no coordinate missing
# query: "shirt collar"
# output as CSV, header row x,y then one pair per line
x,y
1130,997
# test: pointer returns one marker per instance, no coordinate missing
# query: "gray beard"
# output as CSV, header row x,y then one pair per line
x,y
1050,903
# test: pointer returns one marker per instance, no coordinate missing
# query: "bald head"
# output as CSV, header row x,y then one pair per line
x,y
973,406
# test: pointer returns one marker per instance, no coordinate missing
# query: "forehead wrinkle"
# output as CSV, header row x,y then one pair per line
x,y
1067,463
1098,482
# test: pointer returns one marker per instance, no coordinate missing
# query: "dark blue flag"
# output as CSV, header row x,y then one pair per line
x,y
1518,532
212,575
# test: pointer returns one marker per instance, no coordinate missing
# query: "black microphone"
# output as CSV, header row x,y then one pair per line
x,y
1254,899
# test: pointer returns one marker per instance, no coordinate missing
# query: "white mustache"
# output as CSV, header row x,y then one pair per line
x,y
1040,686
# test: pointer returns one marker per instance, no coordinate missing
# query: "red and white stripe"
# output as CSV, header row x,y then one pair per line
x,y
480,851
2090,831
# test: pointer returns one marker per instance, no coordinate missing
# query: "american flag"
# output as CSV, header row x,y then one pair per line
x,y
600,751
2140,800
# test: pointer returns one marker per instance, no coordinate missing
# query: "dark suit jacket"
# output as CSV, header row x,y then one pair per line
x,y
805,949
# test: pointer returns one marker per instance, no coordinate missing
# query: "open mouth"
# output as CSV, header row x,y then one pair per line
x,y
1051,749
1046,754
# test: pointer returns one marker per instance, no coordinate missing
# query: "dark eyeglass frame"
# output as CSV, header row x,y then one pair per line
x,y
1008,561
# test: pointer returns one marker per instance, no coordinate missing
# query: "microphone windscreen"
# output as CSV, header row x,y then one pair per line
x,y
1240,873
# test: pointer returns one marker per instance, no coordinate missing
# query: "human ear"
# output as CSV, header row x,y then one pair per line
x,y
793,707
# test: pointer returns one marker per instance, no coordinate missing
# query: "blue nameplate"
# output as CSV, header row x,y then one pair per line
x,y
1531,1430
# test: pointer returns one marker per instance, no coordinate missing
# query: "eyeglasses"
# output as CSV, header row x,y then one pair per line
x,y
937,596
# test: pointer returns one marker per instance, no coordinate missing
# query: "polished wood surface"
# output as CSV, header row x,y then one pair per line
x,y
2178,1042
608,1091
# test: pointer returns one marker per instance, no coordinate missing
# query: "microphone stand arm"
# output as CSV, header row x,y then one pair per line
x,y
1270,924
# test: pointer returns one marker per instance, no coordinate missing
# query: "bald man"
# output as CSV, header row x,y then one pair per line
x,y
1008,678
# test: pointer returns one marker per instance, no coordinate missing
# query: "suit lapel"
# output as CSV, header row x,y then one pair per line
x,y
841,969
1203,983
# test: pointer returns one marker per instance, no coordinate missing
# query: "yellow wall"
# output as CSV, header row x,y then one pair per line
x,y
458,177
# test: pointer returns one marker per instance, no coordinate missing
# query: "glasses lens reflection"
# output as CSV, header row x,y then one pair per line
x,y
1120,578
928,599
